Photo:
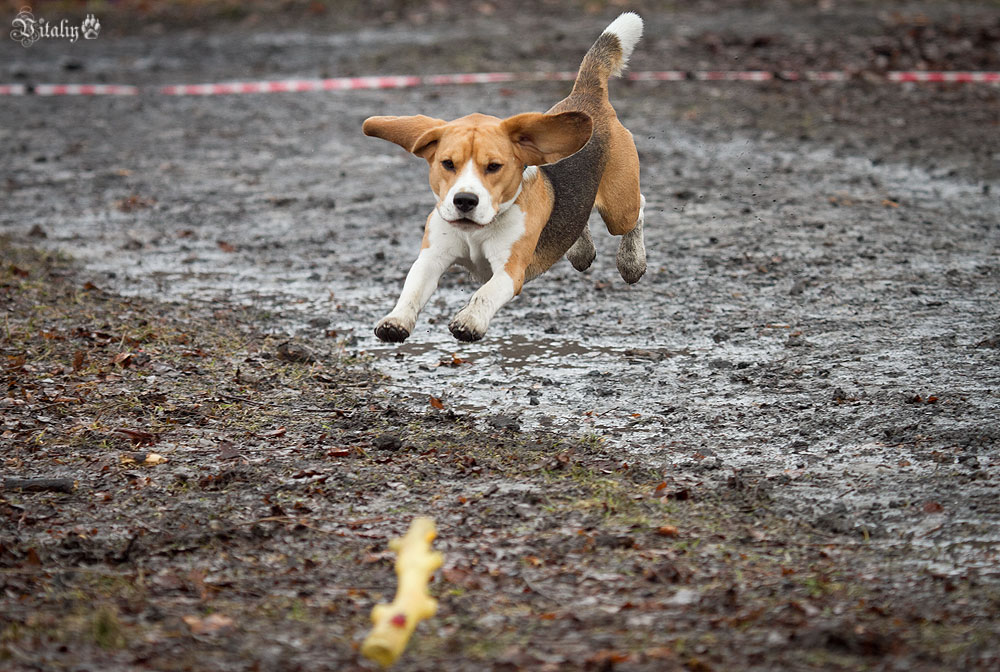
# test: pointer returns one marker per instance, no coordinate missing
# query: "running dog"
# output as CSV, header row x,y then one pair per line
x,y
514,195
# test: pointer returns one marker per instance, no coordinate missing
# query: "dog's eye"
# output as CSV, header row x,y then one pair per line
x,y
448,165
493,167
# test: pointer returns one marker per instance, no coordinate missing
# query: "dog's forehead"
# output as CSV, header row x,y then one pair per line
x,y
473,121
474,133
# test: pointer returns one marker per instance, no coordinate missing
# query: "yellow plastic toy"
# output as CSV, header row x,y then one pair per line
x,y
394,623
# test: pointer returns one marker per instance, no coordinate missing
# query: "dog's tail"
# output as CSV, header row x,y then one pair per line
x,y
609,55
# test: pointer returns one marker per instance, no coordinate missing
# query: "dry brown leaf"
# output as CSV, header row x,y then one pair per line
x,y
209,625
933,507
667,530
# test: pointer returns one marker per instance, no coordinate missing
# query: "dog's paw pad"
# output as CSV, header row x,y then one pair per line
x,y
464,332
582,253
632,271
391,332
631,260
582,260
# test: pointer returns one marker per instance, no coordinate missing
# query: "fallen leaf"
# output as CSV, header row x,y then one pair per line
x,y
280,431
209,625
667,530
138,437
461,577
153,459
437,403
122,359
452,361
659,653
606,658
228,450
933,507
133,203
226,247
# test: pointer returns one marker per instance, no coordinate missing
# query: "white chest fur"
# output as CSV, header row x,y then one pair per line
x,y
483,250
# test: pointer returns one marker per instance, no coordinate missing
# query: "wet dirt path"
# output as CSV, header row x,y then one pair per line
x,y
812,315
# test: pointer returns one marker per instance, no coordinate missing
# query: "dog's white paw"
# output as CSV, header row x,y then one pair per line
x,y
392,329
631,262
631,259
468,326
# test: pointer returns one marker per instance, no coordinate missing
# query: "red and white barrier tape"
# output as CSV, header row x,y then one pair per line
x,y
84,90
963,77
407,81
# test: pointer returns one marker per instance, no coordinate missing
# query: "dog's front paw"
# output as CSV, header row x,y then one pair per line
x,y
392,330
465,327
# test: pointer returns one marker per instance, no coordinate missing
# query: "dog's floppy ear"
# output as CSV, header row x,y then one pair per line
x,y
417,134
546,138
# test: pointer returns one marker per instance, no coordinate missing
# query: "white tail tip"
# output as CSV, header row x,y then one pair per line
x,y
628,29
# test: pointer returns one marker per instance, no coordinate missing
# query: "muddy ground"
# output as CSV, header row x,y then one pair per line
x,y
777,451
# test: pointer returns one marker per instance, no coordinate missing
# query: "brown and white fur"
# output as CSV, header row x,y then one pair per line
x,y
514,194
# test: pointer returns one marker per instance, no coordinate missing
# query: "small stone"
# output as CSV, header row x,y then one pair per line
x,y
294,352
505,422
389,442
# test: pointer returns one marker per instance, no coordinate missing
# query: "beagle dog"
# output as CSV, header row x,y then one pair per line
x,y
514,195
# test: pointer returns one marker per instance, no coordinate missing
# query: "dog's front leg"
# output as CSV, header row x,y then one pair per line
x,y
471,322
420,283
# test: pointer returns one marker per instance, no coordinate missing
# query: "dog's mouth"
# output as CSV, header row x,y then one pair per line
x,y
465,222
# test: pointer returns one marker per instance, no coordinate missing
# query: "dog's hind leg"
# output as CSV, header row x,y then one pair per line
x,y
583,252
631,257
621,205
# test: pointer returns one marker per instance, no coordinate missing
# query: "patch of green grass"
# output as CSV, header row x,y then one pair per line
x,y
105,628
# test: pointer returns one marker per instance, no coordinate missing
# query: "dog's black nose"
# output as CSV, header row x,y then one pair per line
x,y
465,201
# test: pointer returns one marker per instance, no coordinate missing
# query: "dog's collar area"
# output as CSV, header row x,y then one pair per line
x,y
527,174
